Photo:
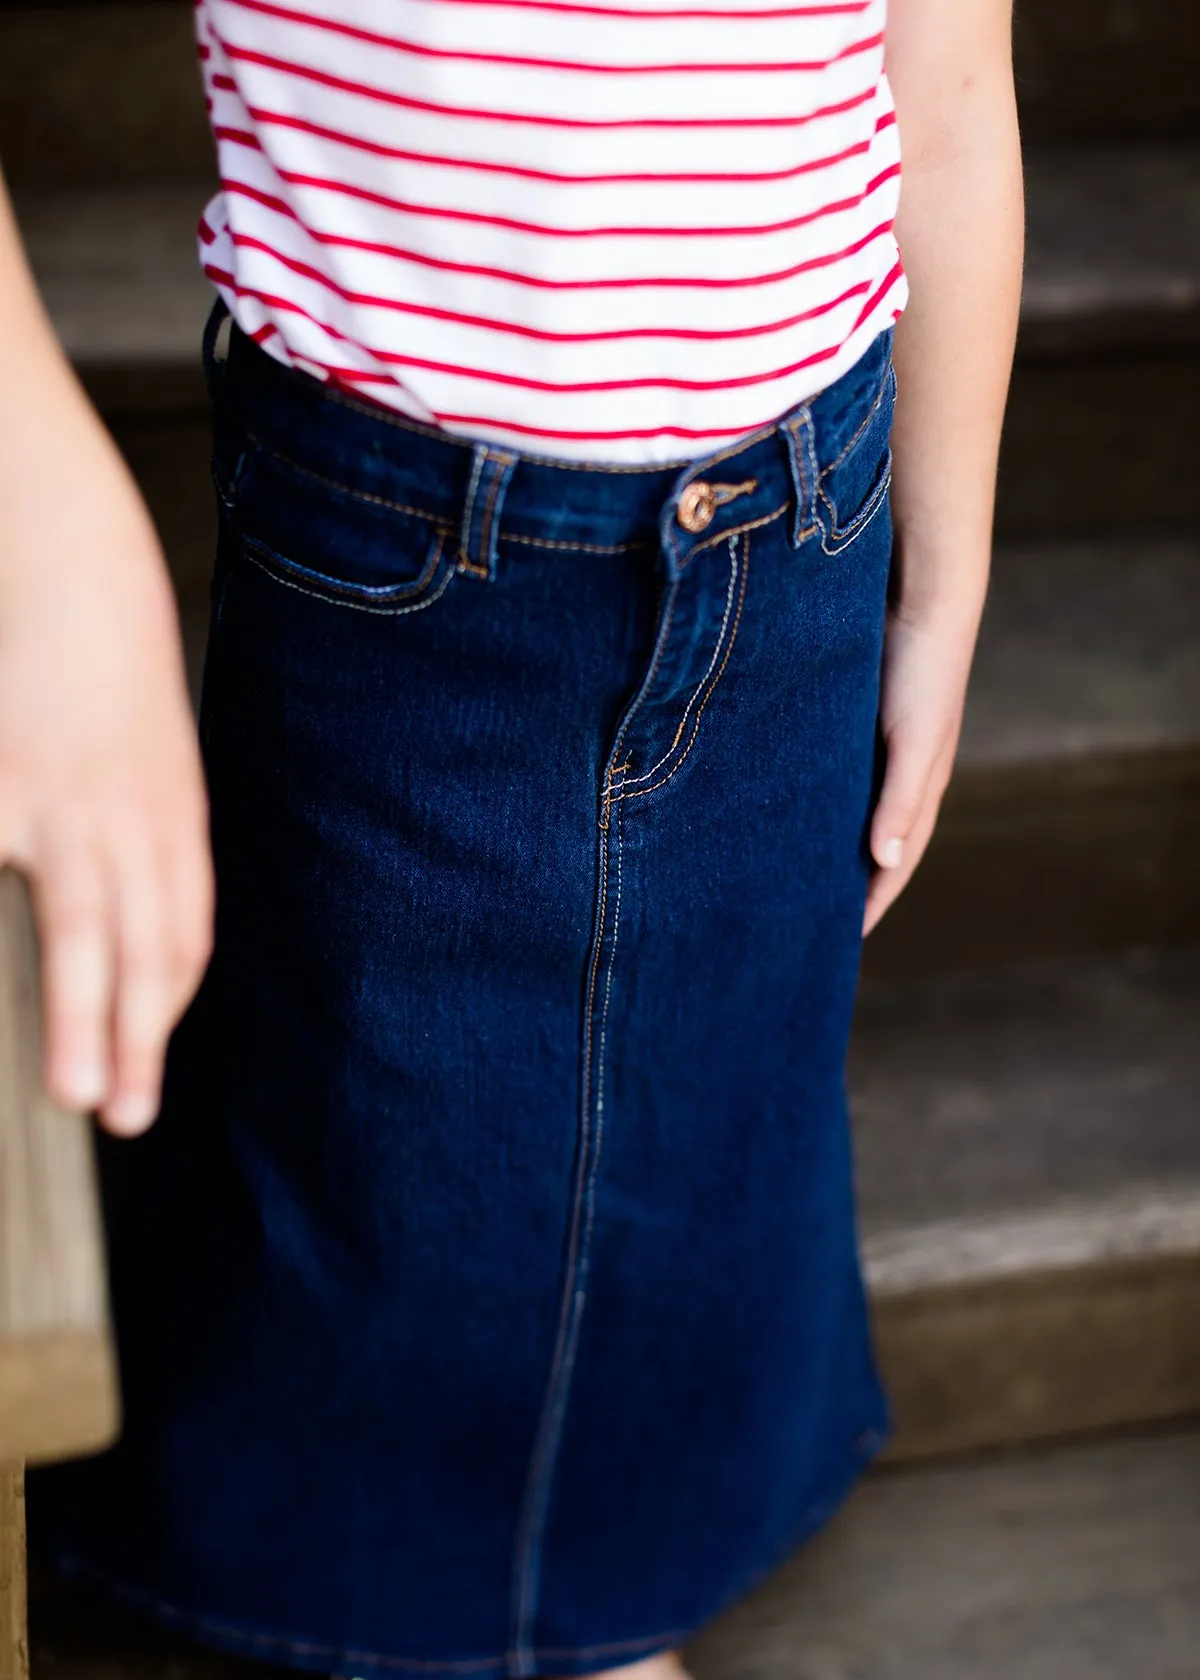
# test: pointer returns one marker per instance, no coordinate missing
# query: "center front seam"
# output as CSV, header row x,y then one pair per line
x,y
531,1527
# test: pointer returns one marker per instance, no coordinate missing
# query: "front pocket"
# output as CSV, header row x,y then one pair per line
x,y
853,488
336,544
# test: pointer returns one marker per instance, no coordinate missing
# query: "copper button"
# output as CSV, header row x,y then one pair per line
x,y
697,504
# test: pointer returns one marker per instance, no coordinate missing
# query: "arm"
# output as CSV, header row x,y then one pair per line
x,y
961,235
101,794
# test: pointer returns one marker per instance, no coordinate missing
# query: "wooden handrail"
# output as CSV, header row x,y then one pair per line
x,y
58,1387
14,1637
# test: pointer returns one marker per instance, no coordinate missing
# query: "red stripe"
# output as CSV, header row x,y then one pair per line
x,y
492,376
847,9
487,166
419,49
478,218
873,302
352,376
237,137
488,422
406,102
343,242
222,277
476,422
340,374
491,324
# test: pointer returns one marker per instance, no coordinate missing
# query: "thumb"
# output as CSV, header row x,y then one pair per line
x,y
901,799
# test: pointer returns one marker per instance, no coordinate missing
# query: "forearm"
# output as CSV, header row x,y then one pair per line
x,y
961,229
52,442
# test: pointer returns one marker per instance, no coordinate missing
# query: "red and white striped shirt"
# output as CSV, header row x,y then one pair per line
x,y
623,230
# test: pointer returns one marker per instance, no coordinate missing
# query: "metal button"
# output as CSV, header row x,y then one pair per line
x,y
697,504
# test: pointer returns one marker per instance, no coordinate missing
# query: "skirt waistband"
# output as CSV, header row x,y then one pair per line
x,y
488,491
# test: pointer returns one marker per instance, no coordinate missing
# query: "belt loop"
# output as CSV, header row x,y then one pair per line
x,y
491,470
214,349
800,441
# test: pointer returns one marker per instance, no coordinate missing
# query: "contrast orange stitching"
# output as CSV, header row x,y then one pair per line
x,y
468,515
531,1520
862,428
802,453
504,460
842,538
723,494
580,547
738,530
677,1636
731,449
348,489
334,600
249,1637
639,793
642,694
678,736
266,1641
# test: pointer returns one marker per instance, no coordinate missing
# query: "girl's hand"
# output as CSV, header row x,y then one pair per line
x,y
925,668
102,799
101,796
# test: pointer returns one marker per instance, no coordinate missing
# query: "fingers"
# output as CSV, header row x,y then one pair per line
x,y
887,884
163,938
75,922
126,930
910,765
914,780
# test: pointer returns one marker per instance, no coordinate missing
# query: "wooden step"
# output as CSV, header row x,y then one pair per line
x,y
1113,248
1074,812
1069,1563
1029,1183
100,94
106,90
1107,69
1101,428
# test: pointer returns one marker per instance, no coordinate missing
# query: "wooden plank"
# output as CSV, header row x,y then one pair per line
x,y
57,1377
1028,1357
1069,1563
1058,859
14,1635
101,93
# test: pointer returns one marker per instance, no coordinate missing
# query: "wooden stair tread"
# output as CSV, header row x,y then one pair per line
x,y
1005,1096
1086,648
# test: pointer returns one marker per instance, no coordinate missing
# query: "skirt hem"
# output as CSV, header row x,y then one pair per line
x,y
287,1652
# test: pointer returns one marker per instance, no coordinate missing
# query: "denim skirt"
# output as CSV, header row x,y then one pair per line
x,y
488,1291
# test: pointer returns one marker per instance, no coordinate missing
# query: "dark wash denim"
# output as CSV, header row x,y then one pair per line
x,y
488,1292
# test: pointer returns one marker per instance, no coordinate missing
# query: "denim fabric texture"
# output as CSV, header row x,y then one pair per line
x,y
488,1292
